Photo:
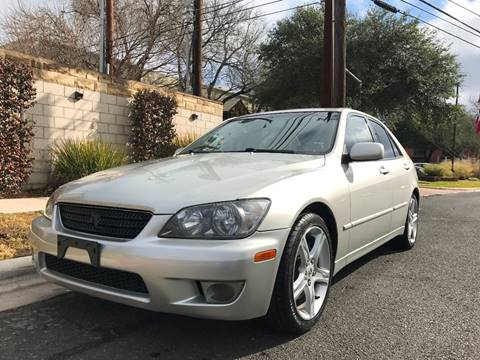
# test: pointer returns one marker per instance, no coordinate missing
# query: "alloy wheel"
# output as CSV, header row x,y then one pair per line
x,y
311,272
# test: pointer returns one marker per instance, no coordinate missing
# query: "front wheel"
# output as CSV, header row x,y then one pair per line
x,y
304,276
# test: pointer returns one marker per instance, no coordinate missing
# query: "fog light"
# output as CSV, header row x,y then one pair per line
x,y
221,292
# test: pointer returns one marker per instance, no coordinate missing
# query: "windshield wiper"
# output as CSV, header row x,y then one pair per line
x,y
200,152
269,151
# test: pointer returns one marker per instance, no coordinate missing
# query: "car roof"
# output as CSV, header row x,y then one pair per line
x,y
302,110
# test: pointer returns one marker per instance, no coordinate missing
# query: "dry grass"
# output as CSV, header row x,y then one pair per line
x,y
14,230
184,140
464,169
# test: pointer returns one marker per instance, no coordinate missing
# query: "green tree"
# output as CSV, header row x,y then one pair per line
x,y
400,63
407,73
291,58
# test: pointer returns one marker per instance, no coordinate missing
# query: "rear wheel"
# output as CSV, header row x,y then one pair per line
x,y
407,240
304,277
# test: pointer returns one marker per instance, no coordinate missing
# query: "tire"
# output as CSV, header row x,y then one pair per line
x,y
287,314
407,240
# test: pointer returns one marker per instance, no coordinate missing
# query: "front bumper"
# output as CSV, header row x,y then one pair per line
x,y
172,269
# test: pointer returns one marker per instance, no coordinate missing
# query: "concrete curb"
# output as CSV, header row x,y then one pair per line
x,y
20,284
16,267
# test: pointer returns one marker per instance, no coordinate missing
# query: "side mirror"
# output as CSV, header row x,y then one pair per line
x,y
367,152
178,151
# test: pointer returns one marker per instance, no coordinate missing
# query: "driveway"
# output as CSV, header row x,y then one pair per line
x,y
420,304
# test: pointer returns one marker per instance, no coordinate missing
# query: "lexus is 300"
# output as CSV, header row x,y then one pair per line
x,y
251,220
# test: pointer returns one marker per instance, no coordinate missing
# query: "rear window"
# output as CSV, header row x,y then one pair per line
x,y
382,137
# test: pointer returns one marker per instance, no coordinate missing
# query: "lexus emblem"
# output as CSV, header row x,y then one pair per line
x,y
95,220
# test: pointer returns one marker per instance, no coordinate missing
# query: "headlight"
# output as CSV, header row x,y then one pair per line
x,y
223,220
48,212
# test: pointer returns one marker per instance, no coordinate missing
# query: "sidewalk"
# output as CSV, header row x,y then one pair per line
x,y
9,206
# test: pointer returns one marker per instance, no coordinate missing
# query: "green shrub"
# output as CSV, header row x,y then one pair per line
x,y
434,170
74,159
153,133
17,94
184,140
463,169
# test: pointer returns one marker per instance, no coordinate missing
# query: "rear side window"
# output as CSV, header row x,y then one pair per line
x,y
398,153
356,131
382,137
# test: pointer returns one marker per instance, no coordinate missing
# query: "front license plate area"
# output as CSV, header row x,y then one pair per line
x,y
93,248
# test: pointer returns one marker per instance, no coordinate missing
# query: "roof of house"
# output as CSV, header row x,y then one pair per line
x,y
229,104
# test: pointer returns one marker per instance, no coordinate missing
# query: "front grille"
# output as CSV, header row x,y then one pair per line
x,y
105,221
116,279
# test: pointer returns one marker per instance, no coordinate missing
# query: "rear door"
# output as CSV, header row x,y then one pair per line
x,y
371,197
401,169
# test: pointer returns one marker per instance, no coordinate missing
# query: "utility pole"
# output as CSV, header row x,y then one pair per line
x,y
110,20
188,48
197,47
340,54
454,140
327,99
103,39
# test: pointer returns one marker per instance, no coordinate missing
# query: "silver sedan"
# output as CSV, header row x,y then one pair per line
x,y
251,220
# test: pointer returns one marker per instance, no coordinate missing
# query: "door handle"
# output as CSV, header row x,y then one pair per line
x,y
384,170
406,166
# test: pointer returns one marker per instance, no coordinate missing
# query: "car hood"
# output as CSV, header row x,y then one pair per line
x,y
168,185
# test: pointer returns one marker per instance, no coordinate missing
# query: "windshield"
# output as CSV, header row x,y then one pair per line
x,y
293,132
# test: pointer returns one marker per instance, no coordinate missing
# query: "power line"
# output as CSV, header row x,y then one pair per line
x,y
205,19
463,7
256,17
440,29
449,15
216,7
222,5
280,11
394,10
253,7
447,21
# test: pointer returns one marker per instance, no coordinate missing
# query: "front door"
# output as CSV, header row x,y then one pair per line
x,y
400,170
371,196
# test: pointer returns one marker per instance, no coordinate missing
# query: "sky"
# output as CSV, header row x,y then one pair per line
x,y
467,55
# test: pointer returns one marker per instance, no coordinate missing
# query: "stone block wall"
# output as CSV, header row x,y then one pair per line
x,y
102,113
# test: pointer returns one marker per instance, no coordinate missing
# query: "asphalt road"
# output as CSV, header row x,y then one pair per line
x,y
419,304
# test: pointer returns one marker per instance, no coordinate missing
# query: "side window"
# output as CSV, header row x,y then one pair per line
x,y
356,131
398,153
382,137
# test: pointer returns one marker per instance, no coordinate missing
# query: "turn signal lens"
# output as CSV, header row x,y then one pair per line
x,y
265,255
